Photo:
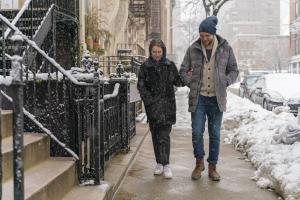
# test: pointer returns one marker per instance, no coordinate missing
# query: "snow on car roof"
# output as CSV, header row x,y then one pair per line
x,y
284,83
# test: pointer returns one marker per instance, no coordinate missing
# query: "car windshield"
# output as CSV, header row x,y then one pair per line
x,y
251,80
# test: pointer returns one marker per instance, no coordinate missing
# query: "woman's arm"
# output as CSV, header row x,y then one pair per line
x,y
141,86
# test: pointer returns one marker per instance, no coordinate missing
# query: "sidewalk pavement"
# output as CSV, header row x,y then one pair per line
x,y
236,173
120,164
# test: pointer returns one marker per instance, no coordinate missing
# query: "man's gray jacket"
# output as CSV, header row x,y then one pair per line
x,y
226,72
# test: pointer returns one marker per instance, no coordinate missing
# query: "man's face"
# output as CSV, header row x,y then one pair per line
x,y
206,38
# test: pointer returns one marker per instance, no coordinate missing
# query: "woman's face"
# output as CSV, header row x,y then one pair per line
x,y
156,53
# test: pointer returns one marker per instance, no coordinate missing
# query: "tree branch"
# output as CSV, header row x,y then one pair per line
x,y
210,3
211,7
206,7
217,2
217,9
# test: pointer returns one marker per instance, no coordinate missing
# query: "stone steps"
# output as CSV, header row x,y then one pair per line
x,y
45,177
88,192
36,150
6,123
51,179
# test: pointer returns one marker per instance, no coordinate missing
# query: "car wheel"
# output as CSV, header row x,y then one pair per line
x,y
265,105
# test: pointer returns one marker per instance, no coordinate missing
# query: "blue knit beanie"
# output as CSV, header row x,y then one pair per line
x,y
209,25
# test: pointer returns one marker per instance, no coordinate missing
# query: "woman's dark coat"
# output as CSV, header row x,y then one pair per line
x,y
155,84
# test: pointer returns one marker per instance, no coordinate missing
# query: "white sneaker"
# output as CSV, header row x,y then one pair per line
x,y
167,172
158,170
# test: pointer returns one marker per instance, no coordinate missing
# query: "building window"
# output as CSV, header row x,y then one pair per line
x,y
294,68
297,7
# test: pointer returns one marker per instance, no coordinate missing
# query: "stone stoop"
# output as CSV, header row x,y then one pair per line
x,y
36,150
49,178
45,177
6,123
97,192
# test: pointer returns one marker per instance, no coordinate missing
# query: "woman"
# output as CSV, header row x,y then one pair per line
x,y
156,79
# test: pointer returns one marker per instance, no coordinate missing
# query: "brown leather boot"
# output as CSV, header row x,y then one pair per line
x,y
196,174
212,173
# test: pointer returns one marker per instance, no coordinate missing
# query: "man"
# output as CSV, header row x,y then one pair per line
x,y
209,66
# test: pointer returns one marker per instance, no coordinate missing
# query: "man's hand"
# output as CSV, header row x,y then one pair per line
x,y
190,73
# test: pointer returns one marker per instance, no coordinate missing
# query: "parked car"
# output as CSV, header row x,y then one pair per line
x,y
246,86
274,90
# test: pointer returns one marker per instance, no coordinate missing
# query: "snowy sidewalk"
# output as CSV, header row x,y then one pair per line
x,y
141,184
236,172
270,146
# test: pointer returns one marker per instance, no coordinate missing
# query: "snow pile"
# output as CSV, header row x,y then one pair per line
x,y
271,142
131,77
78,73
5,81
288,134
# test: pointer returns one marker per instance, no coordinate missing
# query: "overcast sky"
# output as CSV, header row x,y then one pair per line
x,y
284,11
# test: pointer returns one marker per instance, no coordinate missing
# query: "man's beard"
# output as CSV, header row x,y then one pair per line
x,y
208,43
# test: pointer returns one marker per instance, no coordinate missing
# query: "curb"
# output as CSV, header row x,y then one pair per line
x,y
122,162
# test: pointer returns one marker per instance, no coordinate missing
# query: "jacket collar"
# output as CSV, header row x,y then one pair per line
x,y
150,62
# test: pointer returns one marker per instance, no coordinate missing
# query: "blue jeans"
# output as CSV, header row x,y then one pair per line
x,y
207,106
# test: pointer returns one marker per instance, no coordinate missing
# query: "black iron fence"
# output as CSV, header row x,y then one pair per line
x,y
27,19
130,63
42,22
94,121
90,120
70,7
101,125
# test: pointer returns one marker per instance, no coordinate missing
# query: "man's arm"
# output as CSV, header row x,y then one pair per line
x,y
232,71
177,79
185,68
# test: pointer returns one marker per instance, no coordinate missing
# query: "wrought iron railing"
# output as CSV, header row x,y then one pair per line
x,y
34,20
17,98
17,90
70,7
131,63
17,105
90,118
29,17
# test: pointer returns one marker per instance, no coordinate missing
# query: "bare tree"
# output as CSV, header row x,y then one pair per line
x,y
273,60
275,56
211,7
